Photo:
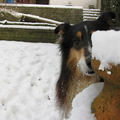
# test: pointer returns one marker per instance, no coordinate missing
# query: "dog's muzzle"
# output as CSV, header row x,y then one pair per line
x,y
88,63
84,65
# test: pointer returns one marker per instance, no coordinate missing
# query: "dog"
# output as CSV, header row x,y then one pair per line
x,y
76,47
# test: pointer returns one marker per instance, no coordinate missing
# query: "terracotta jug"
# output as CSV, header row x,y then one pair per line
x,y
107,105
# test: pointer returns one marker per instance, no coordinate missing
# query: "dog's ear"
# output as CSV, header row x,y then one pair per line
x,y
62,28
107,18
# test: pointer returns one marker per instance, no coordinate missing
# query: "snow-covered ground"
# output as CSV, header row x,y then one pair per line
x,y
28,74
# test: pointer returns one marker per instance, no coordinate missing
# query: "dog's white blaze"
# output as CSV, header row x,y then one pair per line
x,y
89,48
82,66
86,29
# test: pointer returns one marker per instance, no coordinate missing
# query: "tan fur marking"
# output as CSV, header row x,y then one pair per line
x,y
74,57
60,32
59,40
92,32
79,81
79,34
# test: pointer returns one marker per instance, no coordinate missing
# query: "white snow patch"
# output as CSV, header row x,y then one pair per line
x,y
27,27
19,15
10,11
48,6
106,47
109,72
40,18
27,23
82,103
28,74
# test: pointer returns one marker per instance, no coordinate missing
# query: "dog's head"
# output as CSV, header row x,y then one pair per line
x,y
76,42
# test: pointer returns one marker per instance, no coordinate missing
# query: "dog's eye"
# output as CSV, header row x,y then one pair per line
x,y
77,41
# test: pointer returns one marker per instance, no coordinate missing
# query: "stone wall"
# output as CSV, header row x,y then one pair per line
x,y
27,34
62,14
59,13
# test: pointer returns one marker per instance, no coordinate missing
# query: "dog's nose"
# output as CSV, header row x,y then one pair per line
x,y
88,62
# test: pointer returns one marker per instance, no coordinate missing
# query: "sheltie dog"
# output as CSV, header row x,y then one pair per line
x,y
76,71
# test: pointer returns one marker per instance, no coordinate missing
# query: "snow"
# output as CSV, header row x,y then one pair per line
x,y
26,23
48,6
27,27
27,83
40,18
28,75
88,17
20,15
82,103
92,10
106,45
